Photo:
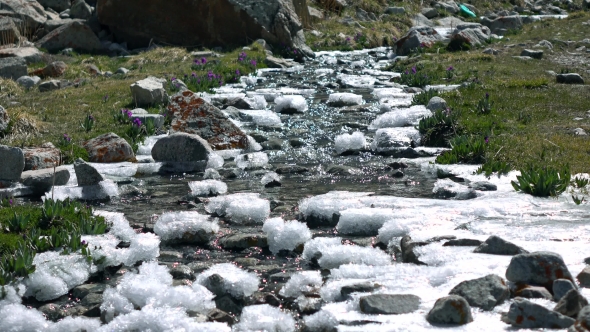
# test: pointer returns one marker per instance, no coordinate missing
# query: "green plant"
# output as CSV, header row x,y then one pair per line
x,y
17,265
122,116
450,73
18,223
542,181
88,123
424,97
484,105
578,200
494,166
464,149
51,210
6,202
414,78
580,182
438,129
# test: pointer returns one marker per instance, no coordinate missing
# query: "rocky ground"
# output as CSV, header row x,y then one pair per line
x,y
303,196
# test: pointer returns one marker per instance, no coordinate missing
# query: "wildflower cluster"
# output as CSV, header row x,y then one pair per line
x,y
122,116
414,78
361,40
450,72
484,106
200,64
245,59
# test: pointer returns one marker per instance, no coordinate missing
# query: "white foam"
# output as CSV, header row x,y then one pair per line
x,y
401,117
145,147
270,177
292,104
207,187
353,142
335,256
314,247
175,225
285,235
356,81
364,221
344,99
389,139
252,160
211,174
103,190
253,146
241,208
321,321
381,93
215,161
261,117
235,281
302,282
264,317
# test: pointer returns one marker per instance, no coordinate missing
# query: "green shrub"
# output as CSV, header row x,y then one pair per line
x,y
415,78
494,166
464,149
542,181
579,182
484,105
438,129
424,97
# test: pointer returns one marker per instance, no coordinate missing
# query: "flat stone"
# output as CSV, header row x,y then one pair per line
x,y
42,157
571,78
497,246
13,67
42,180
182,272
535,54
92,299
30,54
389,304
170,256
75,35
483,186
540,268
364,287
484,293
526,314
243,241
533,292
149,92
450,310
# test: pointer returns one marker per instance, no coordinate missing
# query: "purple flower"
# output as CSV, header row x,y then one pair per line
x,y
10,201
194,74
487,95
450,68
83,242
173,79
203,61
413,70
253,63
486,139
210,75
137,122
197,62
347,39
90,117
129,113
237,72
67,138
105,98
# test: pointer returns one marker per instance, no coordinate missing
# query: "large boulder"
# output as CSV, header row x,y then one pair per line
x,y
416,38
495,245
472,34
526,314
193,115
75,35
569,78
9,31
181,147
502,24
450,310
203,22
30,54
42,180
109,148
13,163
582,323
43,157
57,5
540,268
149,91
86,174
30,12
80,9
13,67
571,303
485,293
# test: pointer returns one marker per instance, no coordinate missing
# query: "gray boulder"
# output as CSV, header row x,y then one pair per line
x,y
571,303
30,54
533,292
429,12
462,243
31,12
86,174
483,186
28,82
50,85
57,5
537,268
9,31
420,20
582,323
497,246
42,180
436,103
13,163
561,287
473,34
449,6
4,120
109,148
80,9
535,54
389,304
417,37
363,287
149,92
181,147
571,78
502,24
46,156
450,310
395,10
75,35
13,67
243,241
526,314
484,293
584,277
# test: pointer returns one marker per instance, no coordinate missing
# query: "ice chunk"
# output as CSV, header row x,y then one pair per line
x,y
302,282
344,99
215,161
269,94
334,256
354,142
356,81
264,317
253,146
271,178
388,139
207,188
75,324
394,101
401,117
323,71
160,320
145,148
103,190
324,206
176,225
211,174
364,221
396,227
381,93
237,282
447,188
321,321
144,247
261,117
285,235
357,64
251,80
313,248
241,208
291,104
252,160
56,274
152,287
17,317
228,154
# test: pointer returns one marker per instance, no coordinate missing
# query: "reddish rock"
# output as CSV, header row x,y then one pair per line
x,y
109,148
39,158
54,69
193,115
